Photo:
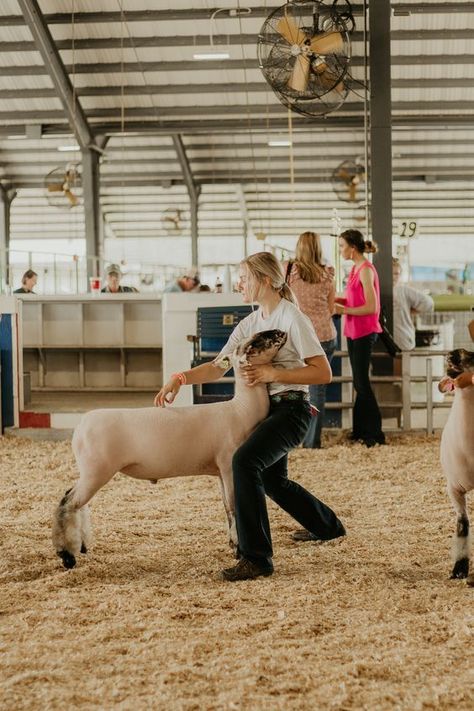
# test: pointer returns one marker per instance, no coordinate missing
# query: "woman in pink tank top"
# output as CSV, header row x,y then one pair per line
x,y
361,308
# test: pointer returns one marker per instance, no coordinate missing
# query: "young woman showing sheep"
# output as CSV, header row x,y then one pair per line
x,y
260,464
147,443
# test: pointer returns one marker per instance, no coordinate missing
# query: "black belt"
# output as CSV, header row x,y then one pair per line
x,y
289,395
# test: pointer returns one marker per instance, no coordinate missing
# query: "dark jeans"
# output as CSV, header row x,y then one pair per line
x,y
317,395
260,467
366,418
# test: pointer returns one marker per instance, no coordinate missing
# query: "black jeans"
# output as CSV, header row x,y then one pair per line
x,y
366,417
260,467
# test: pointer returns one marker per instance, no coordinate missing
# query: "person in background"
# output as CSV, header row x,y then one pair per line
x,y
204,287
361,308
28,282
113,275
189,282
312,282
260,465
406,303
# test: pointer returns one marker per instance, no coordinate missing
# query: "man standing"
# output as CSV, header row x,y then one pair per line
x,y
406,303
28,282
188,282
113,274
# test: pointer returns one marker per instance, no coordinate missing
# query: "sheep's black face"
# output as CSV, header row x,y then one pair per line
x,y
458,361
261,347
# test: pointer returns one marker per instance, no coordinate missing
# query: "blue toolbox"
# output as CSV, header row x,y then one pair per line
x,y
214,326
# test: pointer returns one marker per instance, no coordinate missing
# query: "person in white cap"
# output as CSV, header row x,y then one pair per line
x,y
113,274
189,282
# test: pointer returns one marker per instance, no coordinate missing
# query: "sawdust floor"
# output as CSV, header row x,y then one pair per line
x,y
143,622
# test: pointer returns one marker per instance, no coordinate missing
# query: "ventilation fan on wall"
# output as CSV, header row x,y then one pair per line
x,y
348,180
61,186
304,52
173,221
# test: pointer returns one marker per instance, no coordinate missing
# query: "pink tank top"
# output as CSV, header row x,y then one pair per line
x,y
359,326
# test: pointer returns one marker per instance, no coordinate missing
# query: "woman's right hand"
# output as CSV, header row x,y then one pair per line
x,y
167,393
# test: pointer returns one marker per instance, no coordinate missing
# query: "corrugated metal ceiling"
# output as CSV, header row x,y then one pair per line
x,y
226,113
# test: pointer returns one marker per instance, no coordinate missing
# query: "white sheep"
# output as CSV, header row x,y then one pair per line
x,y
457,452
156,443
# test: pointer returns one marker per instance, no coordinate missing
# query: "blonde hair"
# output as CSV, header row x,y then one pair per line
x,y
309,257
264,264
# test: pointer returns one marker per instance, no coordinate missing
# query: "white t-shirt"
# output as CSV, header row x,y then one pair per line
x,y
405,300
301,343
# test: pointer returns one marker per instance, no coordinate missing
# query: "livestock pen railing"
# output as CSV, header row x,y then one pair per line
x,y
403,375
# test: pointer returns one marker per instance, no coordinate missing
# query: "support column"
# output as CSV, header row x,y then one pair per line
x,y
194,190
92,218
6,198
381,148
194,207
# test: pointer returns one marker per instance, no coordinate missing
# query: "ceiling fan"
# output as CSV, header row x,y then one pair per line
x,y
348,180
61,185
304,52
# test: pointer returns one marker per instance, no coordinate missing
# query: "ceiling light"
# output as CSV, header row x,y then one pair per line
x,y
211,55
279,143
69,148
16,137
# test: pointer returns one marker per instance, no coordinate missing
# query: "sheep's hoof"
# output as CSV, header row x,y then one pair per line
x,y
83,548
69,561
461,568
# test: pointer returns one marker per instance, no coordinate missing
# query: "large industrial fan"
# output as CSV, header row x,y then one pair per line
x,y
304,53
173,221
348,181
61,186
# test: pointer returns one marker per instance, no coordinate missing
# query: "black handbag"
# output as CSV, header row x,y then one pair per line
x,y
386,337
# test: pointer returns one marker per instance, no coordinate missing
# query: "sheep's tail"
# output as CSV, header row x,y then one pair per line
x,y
71,529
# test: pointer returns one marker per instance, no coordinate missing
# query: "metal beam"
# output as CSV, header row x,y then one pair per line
x,y
6,198
92,216
381,148
195,66
216,88
193,191
44,43
100,17
238,40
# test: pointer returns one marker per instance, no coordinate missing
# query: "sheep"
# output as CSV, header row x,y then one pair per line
x,y
155,443
457,452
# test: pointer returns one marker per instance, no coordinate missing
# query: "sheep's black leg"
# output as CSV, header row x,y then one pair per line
x,y
461,565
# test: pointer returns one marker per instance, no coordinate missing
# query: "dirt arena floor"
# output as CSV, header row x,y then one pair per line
x,y
143,622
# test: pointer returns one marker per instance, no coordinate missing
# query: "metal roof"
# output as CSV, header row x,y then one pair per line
x,y
137,83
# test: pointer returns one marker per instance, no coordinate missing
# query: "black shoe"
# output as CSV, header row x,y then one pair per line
x,y
245,570
303,535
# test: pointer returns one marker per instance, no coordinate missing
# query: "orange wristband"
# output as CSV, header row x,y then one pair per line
x,y
181,377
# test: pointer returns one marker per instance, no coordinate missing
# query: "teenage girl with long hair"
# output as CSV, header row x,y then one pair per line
x,y
260,464
361,308
312,282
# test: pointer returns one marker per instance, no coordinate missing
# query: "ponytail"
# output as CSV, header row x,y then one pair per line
x,y
370,247
355,239
286,293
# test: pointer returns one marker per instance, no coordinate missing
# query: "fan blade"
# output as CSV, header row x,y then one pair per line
x,y
55,188
288,29
330,42
328,79
71,197
300,76
344,175
352,192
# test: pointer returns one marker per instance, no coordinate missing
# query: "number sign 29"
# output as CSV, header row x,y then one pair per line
x,y
408,229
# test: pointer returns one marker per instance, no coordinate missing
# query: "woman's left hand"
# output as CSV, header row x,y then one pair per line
x,y
254,374
339,308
